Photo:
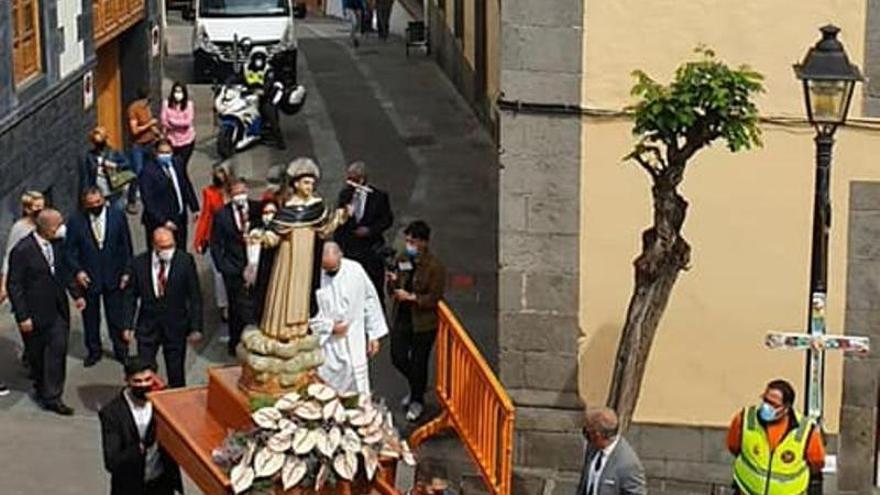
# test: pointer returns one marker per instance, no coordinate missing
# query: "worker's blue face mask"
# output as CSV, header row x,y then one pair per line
x,y
767,413
411,250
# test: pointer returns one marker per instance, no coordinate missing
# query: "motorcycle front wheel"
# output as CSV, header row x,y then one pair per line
x,y
226,141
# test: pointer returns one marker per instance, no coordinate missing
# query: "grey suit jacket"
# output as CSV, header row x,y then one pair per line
x,y
623,473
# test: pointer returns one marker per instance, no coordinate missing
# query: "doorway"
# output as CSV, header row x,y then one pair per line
x,y
108,83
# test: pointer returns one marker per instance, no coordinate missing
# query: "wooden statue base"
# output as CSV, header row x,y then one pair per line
x,y
192,422
251,386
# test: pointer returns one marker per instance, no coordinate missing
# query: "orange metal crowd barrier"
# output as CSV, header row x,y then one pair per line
x,y
475,404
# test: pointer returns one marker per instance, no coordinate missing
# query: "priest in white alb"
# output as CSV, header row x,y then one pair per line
x,y
349,321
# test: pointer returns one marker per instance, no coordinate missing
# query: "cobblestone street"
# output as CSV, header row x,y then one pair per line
x,y
421,143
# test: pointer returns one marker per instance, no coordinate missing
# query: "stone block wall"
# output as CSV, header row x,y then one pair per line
x,y
539,226
41,151
859,412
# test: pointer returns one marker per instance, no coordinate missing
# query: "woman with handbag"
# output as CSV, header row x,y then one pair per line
x,y
178,114
107,169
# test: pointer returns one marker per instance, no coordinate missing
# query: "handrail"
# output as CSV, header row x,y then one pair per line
x,y
474,404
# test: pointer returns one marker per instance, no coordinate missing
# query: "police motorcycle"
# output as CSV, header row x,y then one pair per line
x,y
240,105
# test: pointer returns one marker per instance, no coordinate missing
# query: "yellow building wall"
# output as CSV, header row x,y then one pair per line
x,y
749,221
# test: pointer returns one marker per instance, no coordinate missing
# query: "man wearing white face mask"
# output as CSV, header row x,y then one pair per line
x,y
229,251
38,280
163,304
776,448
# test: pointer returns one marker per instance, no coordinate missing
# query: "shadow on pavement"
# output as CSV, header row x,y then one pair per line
x,y
94,396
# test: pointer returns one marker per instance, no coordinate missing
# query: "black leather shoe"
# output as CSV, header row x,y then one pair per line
x,y
59,408
91,361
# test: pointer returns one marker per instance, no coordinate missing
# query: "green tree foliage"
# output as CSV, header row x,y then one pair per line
x,y
707,100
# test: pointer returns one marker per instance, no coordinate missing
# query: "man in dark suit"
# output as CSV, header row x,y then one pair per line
x,y
37,282
611,466
363,235
229,251
134,459
99,250
165,283
167,194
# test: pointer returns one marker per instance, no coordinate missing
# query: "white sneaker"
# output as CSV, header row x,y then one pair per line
x,y
415,412
4,390
404,403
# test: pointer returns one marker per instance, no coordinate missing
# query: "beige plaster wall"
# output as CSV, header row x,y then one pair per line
x,y
750,216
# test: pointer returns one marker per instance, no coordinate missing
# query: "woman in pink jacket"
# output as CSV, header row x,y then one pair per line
x,y
178,114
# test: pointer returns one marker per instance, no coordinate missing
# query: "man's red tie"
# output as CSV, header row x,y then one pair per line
x,y
163,277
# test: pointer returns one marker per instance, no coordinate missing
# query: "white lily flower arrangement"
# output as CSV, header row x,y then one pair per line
x,y
309,441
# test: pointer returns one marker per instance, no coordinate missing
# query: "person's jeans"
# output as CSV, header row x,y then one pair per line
x,y
411,354
139,155
353,17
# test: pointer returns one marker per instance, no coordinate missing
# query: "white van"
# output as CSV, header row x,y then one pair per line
x,y
220,24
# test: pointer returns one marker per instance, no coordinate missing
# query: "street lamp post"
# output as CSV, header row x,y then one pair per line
x,y
828,80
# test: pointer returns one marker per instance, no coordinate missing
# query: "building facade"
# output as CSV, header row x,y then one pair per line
x,y
571,216
65,66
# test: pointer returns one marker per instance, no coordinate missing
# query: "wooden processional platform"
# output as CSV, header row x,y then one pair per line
x,y
192,422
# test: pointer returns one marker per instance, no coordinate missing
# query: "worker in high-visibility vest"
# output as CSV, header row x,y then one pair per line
x,y
260,77
776,448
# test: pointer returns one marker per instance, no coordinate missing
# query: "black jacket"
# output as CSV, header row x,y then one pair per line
x,y
228,249
377,217
170,318
106,265
159,197
123,458
34,291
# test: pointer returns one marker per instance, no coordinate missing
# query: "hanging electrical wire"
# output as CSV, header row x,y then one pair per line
x,y
567,109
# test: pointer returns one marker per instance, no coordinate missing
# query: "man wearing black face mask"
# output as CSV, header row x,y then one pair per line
x,y
98,251
134,459
101,162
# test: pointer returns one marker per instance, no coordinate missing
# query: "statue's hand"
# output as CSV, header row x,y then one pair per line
x,y
250,275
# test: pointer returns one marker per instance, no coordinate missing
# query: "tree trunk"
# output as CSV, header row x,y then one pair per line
x,y
664,254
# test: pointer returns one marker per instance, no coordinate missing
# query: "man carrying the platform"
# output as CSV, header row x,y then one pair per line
x,y
350,322
134,459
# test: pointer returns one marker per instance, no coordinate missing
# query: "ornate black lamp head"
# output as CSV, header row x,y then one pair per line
x,y
829,80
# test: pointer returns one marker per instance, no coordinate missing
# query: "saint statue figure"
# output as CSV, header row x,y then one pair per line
x,y
282,353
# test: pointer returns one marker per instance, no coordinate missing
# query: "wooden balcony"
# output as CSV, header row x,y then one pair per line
x,y
112,17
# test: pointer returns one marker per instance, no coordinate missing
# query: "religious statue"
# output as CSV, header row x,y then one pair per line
x,y
282,354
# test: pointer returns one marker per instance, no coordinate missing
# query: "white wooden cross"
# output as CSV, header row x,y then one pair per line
x,y
817,342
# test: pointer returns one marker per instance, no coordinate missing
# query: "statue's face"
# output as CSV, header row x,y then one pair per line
x,y
304,187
